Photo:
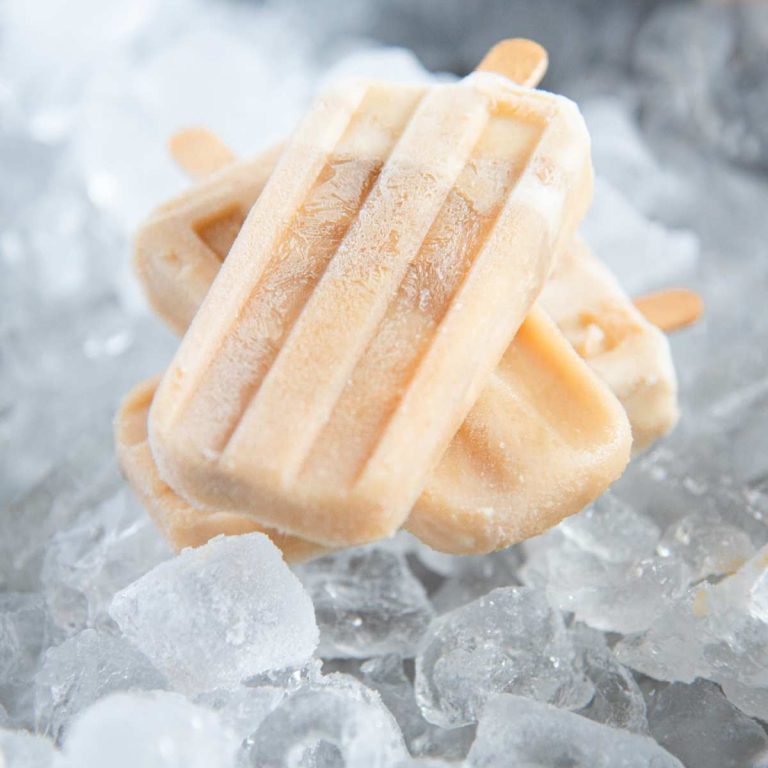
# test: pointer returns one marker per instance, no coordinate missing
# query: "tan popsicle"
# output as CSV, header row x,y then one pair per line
x,y
544,439
389,260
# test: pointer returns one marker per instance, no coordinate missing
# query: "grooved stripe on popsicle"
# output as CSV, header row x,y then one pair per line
x,y
358,287
277,300
219,229
382,374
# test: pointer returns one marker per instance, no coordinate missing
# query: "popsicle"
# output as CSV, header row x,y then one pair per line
x,y
544,439
620,345
376,282
182,524
171,238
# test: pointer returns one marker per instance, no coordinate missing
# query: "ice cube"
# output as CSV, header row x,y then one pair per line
x,y
671,648
508,641
152,730
367,603
618,700
82,670
697,724
335,721
21,749
708,547
612,530
86,477
475,576
715,633
387,676
616,597
108,548
216,615
25,633
518,731
242,709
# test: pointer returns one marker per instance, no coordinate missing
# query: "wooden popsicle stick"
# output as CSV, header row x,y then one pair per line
x,y
522,61
671,309
199,152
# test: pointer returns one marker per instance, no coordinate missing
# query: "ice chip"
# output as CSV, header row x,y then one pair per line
x,y
475,576
25,633
335,721
367,603
618,700
509,641
82,670
387,676
151,730
218,614
610,596
518,731
709,548
697,724
106,549
612,530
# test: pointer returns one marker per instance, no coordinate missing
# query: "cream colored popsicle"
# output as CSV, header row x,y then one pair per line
x,y
182,524
611,334
176,291
377,280
544,439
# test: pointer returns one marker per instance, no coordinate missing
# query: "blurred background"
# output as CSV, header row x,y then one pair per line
x,y
675,93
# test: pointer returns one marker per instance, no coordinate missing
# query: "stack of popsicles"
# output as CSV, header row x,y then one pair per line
x,y
390,322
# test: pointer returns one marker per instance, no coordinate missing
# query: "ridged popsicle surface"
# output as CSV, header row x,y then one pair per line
x,y
377,281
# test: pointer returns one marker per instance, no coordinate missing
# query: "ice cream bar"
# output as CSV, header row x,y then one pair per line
x,y
611,334
378,279
182,524
545,438
581,295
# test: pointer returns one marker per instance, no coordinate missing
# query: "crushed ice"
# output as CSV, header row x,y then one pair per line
x,y
635,633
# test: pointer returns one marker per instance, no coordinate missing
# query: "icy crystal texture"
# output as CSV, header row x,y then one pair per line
x,y
367,603
517,731
386,675
618,700
234,602
334,721
509,641
109,547
84,668
697,724
152,730
591,569
720,632
24,633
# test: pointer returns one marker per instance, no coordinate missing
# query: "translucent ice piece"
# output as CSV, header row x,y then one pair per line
x,y
508,641
367,603
519,731
221,613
